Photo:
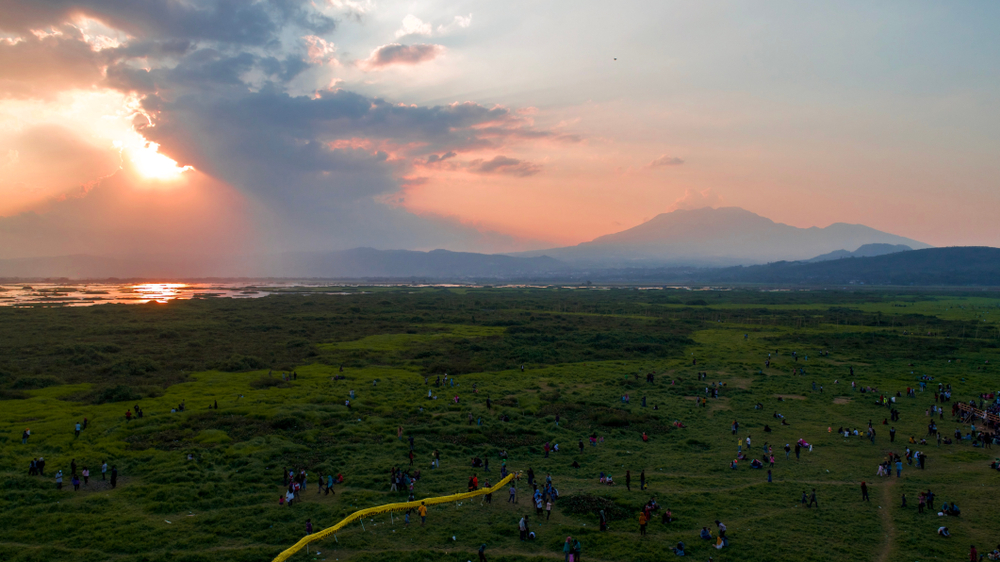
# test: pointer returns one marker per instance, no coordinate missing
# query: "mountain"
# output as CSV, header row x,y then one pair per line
x,y
866,251
436,264
356,263
954,266
717,237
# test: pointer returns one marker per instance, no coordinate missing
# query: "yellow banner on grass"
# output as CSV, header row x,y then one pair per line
x,y
403,506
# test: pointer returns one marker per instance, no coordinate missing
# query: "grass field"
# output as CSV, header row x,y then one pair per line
x,y
581,350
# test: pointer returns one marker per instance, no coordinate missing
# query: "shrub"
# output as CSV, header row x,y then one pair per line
x,y
29,383
239,363
133,366
119,393
586,504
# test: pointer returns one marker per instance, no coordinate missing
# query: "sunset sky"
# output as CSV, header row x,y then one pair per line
x,y
216,126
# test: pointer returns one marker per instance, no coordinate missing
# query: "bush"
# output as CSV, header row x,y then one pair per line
x,y
29,383
133,366
266,381
239,363
586,504
120,393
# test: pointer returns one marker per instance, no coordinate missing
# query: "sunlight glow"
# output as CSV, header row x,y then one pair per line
x,y
151,164
159,292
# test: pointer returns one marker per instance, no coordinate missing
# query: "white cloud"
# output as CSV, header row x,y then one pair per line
x,y
697,199
460,22
319,50
412,25
666,161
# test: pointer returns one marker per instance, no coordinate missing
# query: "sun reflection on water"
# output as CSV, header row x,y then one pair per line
x,y
159,292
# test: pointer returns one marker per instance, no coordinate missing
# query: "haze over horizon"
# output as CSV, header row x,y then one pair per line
x,y
219,127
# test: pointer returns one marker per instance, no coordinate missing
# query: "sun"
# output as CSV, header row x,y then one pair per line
x,y
150,164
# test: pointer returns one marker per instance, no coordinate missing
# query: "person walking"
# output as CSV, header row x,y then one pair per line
x,y
59,478
482,552
522,527
513,495
812,499
114,476
864,492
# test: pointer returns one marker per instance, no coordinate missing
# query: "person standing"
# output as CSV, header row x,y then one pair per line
x,y
628,480
642,523
892,434
522,527
104,469
768,476
86,476
422,510
25,436
513,495
548,509
77,429
899,468
812,499
114,476
642,479
798,448
482,552
309,527
59,478
568,548
864,492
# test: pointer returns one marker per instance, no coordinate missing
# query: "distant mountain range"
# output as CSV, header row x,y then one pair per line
x,y
955,266
347,264
865,251
705,246
717,237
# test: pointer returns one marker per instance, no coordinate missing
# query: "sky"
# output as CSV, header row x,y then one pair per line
x,y
211,127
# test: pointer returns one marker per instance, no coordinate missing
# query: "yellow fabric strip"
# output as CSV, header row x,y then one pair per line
x,y
285,555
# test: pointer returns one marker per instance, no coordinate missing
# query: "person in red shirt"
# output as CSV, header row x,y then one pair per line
x,y
973,554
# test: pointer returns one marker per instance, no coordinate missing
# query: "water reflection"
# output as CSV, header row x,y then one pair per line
x,y
159,292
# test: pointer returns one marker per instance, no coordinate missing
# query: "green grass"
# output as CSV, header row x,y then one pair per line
x,y
581,350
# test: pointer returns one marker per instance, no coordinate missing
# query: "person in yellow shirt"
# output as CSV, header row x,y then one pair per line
x,y
642,522
422,510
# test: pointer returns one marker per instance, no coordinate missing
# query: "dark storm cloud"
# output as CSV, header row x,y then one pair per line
x,y
319,171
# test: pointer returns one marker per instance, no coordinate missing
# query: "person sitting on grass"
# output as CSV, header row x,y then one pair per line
x,y
756,464
943,531
706,534
679,549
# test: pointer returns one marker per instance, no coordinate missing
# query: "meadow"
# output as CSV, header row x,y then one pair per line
x,y
204,483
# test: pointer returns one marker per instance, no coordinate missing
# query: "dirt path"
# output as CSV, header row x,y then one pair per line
x,y
888,527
